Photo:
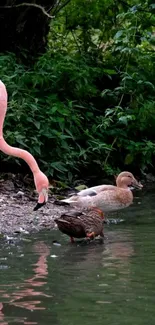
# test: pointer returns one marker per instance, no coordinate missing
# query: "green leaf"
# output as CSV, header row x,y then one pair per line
x,y
54,109
59,166
118,34
109,111
37,124
81,187
37,149
110,71
128,159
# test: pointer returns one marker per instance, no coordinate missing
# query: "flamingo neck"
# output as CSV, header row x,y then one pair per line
x,y
7,149
20,153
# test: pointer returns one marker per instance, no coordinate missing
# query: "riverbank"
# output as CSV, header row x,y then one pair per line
x,y
17,202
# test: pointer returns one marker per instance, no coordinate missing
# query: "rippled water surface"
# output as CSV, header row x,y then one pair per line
x,y
111,283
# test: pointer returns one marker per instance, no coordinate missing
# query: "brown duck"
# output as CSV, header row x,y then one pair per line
x,y
107,197
82,224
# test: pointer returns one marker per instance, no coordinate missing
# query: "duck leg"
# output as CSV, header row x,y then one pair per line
x,y
102,237
102,234
72,240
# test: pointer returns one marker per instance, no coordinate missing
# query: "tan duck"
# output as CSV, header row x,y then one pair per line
x,y
81,224
107,197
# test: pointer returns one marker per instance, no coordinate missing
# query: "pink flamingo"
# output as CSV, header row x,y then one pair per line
x,y
40,179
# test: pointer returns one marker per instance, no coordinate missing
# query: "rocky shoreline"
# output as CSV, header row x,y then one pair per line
x,y
17,201
16,209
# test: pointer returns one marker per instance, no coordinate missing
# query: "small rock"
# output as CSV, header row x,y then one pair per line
x,y
149,177
8,186
9,238
21,230
26,240
56,243
19,194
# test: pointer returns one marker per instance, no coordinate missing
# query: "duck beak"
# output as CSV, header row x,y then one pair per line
x,y
137,185
43,198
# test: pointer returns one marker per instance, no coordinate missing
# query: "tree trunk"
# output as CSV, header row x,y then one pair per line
x,y
25,27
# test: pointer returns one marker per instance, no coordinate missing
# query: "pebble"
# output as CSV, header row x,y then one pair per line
x,y
19,194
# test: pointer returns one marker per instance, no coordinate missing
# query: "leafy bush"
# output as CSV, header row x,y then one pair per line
x,y
87,105
48,119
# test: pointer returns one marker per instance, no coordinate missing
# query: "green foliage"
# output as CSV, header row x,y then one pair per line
x,y
47,122
87,105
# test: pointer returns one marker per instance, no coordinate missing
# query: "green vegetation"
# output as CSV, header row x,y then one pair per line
x,y
86,106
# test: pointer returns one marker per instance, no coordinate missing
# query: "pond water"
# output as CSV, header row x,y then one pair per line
x,y
111,283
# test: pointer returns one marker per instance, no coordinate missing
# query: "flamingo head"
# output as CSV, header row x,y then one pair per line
x,y
42,185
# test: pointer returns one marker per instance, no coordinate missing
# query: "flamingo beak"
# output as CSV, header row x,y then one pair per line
x,y
43,198
38,206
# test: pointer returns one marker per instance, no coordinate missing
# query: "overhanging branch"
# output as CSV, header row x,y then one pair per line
x,y
29,5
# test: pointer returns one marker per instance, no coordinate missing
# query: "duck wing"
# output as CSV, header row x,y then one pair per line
x,y
89,193
92,191
71,225
108,199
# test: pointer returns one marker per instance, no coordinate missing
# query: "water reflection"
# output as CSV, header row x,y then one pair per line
x,y
2,315
119,248
22,295
41,272
88,268
110,283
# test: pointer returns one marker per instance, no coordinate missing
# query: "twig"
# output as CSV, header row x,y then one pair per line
x,y
56,6
76,42
62,6
108,155
29,5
